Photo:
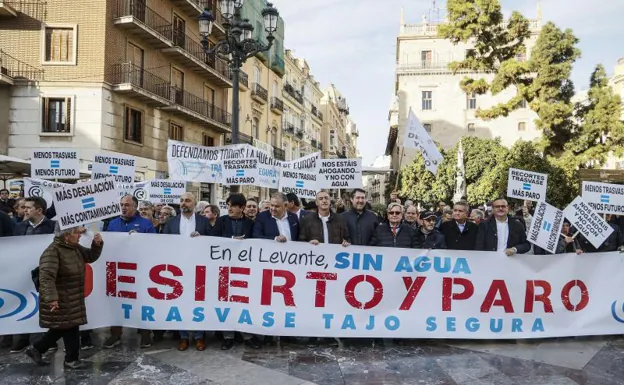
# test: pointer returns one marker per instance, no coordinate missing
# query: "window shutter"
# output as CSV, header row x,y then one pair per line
x,y
45,114
68,109
127,124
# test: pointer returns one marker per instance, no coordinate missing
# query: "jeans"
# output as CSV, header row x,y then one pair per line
x,y
71,339
185,335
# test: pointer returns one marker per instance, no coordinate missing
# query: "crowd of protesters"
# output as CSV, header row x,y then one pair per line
x,y
283,218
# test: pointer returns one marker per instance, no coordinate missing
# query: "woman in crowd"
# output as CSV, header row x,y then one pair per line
x,y
62,307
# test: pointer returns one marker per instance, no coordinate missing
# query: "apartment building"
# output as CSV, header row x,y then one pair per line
x,y
424,83
302,120
352,135
336,112
117,76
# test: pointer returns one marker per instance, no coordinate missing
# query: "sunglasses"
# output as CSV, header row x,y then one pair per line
x,y
395,213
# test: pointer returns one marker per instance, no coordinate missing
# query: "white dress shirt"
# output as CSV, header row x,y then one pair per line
x,y
502,231
461,226
283,226
325,230
187,226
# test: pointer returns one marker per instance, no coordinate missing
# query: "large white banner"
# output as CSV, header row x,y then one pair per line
x,y
340,173
527,185
300,176
162,191
55,164
604,197
119,166
88,202
546,227
42,188
193,163
588,222
417,137
164,282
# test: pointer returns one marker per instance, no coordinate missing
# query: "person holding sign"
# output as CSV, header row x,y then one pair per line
x,y
614,242
502,233
324,226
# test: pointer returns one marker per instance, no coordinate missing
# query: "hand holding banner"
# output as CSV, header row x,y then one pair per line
x,y
417,137
588,222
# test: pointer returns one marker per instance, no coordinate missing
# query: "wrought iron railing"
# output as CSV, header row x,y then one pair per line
x,y
128,73
260,91
200,106
289,128
277,104
196,49
279,153
146,15
17,69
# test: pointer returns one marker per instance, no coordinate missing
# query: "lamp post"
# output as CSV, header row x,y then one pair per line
x,y
238,44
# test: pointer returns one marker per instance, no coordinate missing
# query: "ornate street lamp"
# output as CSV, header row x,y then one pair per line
x,y
238,44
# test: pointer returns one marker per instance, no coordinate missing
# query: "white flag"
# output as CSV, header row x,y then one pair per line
x,y
417,137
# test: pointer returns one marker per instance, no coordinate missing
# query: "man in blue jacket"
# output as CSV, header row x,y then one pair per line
x,y
129,222
278,223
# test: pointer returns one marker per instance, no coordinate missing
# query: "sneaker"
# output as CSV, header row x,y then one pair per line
x,y
19,346
36,356
74,365
111,342
146,341
86,345
53,349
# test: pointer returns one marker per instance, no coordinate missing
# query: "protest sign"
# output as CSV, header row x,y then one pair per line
x,y
42,188
297,289
340,173
193,163
546,227
242,171
604,197
165,191
268,171
588,222
223,207
119,166
417,137
139,190
300,176
527,185
82,203
55,164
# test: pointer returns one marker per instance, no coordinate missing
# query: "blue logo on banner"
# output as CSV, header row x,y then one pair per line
x,y
55,163
526,186
614,312
23,303
547,226
299,184
167,191
113,170
88,203
604,199
240,172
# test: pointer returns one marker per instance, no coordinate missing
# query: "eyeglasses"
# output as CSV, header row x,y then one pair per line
x,y
394,213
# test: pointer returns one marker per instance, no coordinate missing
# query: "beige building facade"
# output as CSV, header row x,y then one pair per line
x,y
336,113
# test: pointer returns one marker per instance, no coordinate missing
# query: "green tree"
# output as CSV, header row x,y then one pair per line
x,y
420,185
600,131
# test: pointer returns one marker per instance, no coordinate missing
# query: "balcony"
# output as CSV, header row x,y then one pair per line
x,y
296,95
130,79
317,113
279,153
192,8
259,93
213,6
314,143
242,139
243,79
289,129
277,105
277,65
7,9
144,23
299,133
196,109
12,69
431,30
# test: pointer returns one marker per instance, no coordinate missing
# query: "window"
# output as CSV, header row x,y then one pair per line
x,y
207,140
471,101
275,88
179,31
274,137
135,55
59,45
471,127
523,103
255,132
257,75
177,81
176,132
522,126
56,115
425,58
427,127
133,125
427,100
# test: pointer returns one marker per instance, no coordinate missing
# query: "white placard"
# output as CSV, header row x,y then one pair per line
x,y
193,163
34,187
166,191
119,166
82,203
546,227
223,207
604,197
527,185
242,171
302,183
268,171
588,222
139,190
417,137
55,164
340,173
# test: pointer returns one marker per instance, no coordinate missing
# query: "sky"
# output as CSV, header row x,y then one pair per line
x,y
352,43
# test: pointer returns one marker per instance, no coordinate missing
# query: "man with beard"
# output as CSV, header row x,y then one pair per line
x,y
502,233
19,210
428,237
361,222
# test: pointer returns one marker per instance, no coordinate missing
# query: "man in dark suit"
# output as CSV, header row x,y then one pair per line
x,y
294,205
502,233
278,223
459,233
188,223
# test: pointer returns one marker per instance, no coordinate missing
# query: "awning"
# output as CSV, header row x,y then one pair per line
x,y
11,167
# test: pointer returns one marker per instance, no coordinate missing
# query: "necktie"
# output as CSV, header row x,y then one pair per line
x,y
394,231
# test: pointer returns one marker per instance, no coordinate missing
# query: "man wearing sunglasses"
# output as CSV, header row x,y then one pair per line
x,y
502,233
395,233
428,237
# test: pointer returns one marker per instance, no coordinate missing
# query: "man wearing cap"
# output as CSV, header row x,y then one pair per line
x,y
502,233
428,237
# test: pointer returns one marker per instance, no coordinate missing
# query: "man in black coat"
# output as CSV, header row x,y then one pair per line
x,y
613,242
460,234
394,233
502,233
277,223
7,225
234,224
428,237
361,222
